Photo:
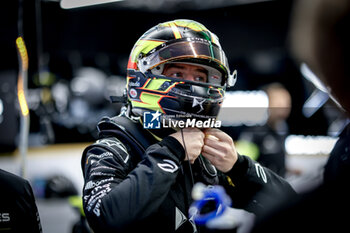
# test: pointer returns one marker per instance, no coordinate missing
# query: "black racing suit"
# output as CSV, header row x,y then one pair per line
x,y
127,191
18,210
322,209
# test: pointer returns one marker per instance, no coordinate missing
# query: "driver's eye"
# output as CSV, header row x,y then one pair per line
x,y
200,79
176,75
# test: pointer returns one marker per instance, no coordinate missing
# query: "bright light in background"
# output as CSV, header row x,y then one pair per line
x,y
309,145
244,108
70,4
1,110
321,98
23,62
22,51
309,75
22,99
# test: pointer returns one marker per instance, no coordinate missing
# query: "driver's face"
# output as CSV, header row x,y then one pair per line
x,y
186,72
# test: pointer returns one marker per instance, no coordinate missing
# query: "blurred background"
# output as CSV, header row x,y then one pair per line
x,y
77,58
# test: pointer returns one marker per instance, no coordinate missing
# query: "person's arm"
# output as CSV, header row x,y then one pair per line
x,y
116,195
252,185
256,186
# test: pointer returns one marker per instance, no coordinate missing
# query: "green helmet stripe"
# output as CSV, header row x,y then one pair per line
x,y
143,46
149,101
155,84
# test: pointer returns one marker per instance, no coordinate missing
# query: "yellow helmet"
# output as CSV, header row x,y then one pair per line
x,y
184,41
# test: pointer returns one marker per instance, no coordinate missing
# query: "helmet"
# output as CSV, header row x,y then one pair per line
x,y
178,41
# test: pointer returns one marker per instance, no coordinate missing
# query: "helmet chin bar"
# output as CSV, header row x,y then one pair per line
x,y
176,96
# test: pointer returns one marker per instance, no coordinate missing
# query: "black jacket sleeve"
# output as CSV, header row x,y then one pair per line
x,y
116,194
254,187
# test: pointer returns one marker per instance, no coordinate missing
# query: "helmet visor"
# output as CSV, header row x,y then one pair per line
x,y
188,48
